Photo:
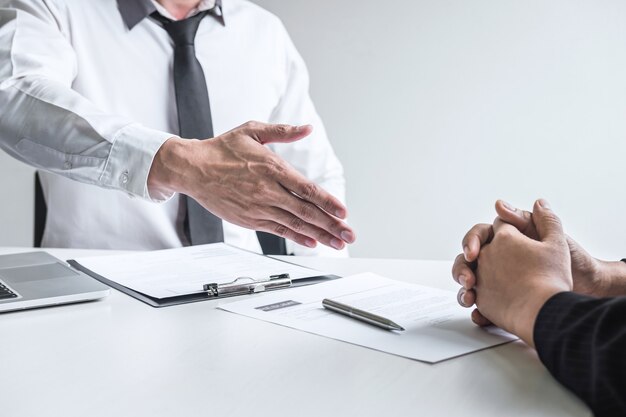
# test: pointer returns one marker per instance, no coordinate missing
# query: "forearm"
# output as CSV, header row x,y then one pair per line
x,y
51,127
48,125
582,340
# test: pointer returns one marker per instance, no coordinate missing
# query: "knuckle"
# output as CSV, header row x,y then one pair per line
x,y
477,228
471,233
327,205
282,129
458,262
502,234
274,168
255,224
553,220
252,124
305,211
296,224
309,191
477,232
459,266
280,230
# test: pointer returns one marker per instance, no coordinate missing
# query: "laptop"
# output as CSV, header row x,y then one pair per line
x,y
38,279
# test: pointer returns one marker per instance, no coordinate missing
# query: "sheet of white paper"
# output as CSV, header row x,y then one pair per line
x,y
171,272
437,328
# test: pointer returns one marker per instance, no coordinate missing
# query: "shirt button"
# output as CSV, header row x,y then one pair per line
x,y
67,165
124,177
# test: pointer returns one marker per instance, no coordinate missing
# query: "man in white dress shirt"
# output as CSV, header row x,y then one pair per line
x,y
87,95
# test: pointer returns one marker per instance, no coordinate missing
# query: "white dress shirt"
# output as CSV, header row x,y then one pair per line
x,y
87,95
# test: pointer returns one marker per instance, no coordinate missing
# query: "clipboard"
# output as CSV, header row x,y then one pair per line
x,y
211,291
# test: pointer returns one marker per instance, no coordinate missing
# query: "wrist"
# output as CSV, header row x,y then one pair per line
x,y
611,279
525,324
166,173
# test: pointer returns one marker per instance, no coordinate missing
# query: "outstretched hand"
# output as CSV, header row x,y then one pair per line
x,y
240,180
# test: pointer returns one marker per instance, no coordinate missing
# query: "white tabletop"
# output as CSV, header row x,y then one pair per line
x,y
120,357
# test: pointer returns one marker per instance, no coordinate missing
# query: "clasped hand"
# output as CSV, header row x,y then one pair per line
x,y
511,268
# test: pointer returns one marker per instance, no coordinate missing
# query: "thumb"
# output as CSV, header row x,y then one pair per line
x,y
509,214
548,224
269,133
521,219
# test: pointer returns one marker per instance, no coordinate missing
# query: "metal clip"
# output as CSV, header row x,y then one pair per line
x,y
247,285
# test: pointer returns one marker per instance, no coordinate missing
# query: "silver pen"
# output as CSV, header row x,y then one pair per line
x,y
361,315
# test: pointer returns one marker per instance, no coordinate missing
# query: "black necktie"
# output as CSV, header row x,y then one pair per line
x,y
194,117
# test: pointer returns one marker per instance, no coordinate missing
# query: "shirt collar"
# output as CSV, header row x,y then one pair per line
x,y
134,11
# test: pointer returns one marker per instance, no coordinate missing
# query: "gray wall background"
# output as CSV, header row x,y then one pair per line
x,y
438,108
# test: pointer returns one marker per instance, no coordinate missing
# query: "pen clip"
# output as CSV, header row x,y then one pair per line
x,y
247,285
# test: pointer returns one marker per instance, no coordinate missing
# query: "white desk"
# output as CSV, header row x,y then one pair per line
x,y
120,357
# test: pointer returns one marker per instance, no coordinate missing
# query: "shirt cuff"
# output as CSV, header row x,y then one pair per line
x,y
130,159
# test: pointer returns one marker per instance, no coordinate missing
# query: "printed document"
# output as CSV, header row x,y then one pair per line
x,y
436,327
172,272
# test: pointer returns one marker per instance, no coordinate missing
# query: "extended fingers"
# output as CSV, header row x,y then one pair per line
x,y
284,206
281,230
304,218
301,226
310,192
313,215
478,236
303,206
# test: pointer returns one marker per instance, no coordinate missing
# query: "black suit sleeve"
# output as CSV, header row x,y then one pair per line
x,y
582,342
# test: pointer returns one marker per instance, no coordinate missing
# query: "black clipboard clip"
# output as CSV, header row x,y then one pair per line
x,y
247,285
